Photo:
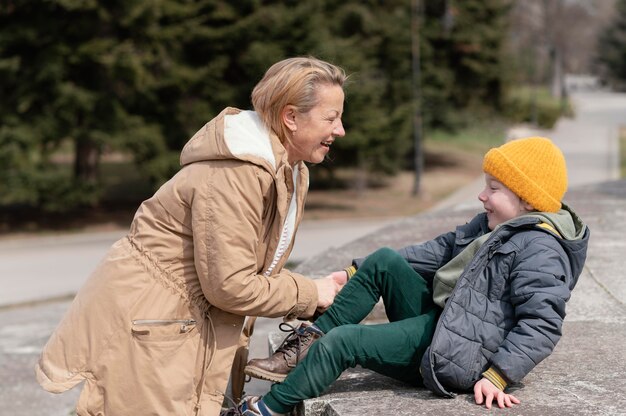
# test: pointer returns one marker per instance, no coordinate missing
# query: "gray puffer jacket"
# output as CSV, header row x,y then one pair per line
x,y
508,306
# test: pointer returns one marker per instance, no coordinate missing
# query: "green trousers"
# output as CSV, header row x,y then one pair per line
x,y
394,349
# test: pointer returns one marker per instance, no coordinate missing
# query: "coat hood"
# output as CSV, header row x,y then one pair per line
x,y
572,234
235,134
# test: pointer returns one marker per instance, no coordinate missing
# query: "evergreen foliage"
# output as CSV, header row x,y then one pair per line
x,y
80,71
144,75
612,47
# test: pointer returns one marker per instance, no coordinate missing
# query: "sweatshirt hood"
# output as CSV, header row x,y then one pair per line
x,y
565,221
573,235
235,134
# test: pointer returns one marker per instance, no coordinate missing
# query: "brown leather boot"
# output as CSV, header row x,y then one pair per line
x,y
293,350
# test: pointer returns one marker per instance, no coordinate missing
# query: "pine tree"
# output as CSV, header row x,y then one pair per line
x,y
612,46
78,71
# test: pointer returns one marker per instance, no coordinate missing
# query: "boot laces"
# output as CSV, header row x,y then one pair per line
x,y
235,409
294,341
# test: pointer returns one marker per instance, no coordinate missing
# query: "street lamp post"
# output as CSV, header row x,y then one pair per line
x,y
415,81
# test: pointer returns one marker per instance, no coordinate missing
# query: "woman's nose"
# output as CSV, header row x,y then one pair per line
x,y
339,130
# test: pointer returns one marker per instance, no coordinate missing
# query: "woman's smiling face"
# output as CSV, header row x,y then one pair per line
x,y
315,131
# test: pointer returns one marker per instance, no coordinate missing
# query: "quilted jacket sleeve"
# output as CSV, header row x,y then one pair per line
x,y
227,224
430,256
538,292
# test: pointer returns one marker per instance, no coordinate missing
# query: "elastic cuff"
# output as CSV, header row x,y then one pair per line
x,y
350,271
264,409
496,378
274,405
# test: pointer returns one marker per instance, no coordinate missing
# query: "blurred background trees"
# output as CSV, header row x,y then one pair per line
x,y
549,39
82,81
612,48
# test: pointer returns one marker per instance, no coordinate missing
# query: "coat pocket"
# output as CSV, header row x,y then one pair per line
x,y
162,330
500,263
164,360
473,365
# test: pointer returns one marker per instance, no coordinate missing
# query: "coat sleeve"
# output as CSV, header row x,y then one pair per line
x,y
430,256
538,293
227,221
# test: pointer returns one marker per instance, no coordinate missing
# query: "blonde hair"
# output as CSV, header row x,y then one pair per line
x,y
292,81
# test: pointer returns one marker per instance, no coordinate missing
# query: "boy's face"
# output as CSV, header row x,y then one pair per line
x,y
500,202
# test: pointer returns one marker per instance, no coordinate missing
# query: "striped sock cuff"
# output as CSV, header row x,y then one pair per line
x,y
350,271
496,378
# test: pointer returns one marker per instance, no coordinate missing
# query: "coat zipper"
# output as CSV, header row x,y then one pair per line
x,y
472,266
184,323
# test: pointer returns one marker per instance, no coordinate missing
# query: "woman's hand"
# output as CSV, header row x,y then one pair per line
x,y
485,389
340,277
327,289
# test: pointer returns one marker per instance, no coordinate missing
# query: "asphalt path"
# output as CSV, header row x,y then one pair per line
x,y
41,268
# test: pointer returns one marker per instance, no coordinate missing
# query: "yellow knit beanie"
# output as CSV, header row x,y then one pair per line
x,y
533,168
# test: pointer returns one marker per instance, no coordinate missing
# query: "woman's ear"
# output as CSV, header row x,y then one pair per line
x,y
288,117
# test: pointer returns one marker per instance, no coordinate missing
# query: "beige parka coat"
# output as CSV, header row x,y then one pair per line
x,y
154,329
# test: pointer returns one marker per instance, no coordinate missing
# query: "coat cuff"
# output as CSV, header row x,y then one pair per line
x,y
306,302
496,378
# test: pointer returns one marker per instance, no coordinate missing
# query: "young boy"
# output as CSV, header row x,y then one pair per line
x,y
474,309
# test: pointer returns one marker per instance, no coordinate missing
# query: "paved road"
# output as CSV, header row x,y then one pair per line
x,y
50,267
589,141
38,268
33,268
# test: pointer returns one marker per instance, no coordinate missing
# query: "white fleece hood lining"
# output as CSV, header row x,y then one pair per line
x,y
245,134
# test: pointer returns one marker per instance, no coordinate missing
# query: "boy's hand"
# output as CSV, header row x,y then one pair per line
x,y
485,389
340,277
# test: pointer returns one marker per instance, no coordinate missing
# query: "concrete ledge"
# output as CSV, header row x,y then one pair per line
x,y
584,375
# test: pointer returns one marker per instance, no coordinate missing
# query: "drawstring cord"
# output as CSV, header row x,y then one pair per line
x,y
207,361
234,407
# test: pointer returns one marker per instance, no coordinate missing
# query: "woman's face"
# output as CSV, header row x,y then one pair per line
x,y
314,132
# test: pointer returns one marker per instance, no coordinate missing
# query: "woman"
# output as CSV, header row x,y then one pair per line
x,y
155,328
